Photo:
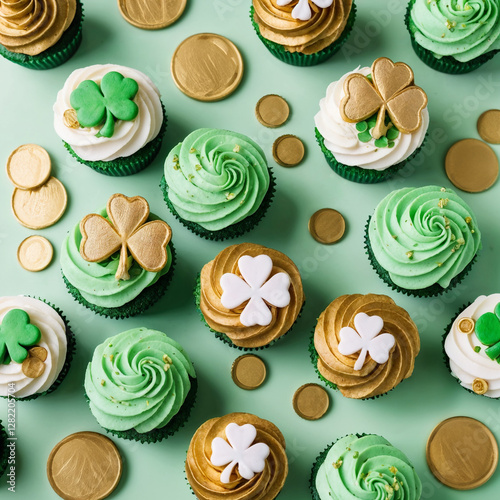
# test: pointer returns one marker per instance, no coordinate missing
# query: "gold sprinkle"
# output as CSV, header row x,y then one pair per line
x,y
111,357
230,196
190,177
338,464
388,488
70,119
452,250
103,382
472,231
461,241
236,148
198,167
176,166
166,367
453,237
409,254
443,202
443,190
395,236
468,220
176,159
439,264
393,470
443,35
192,150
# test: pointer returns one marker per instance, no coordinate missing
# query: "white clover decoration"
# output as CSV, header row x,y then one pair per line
x,y
366,339
239,452
302,10
256,288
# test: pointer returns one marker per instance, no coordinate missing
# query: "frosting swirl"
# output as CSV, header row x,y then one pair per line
x,y
367,467
462,29
216,178
227,321
204,477
373,379
138,379
325,26
53,340
129,136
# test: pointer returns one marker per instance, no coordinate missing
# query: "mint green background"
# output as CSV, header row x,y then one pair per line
x,y
407,415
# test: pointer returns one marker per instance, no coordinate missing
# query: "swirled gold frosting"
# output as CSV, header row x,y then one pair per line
x,y
204,477
33,26
373,379
308,37
227,321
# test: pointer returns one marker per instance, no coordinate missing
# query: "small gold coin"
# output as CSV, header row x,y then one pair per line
x,y
327,226
40,207
288,150
151,14
207,67
488,126
248,372
85,465
272,111
462,453
466,325
33,367
471,165
35,253
311,402
29,166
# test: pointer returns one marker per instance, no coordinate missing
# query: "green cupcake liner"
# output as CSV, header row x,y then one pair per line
x,y
242,227
446,64
143,301
127,165
298,58
57,54
362,175
430,291
4,452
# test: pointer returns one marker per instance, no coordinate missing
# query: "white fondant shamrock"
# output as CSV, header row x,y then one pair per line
x,y
257,288
302,10
239,451
366,339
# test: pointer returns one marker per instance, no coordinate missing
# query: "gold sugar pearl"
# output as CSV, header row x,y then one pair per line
x,y
466,325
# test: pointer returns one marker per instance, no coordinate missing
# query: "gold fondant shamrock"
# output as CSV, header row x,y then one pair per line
x,y
126,230
390,90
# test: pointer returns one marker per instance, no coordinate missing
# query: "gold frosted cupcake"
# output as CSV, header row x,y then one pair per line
x,y
364,345
237,457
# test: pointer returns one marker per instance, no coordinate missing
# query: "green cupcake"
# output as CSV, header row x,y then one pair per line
x,y
4,451
141,385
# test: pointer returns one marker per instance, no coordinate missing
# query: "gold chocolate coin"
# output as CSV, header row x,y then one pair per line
x,y
471,165
288,150
40,207
311,402
35,253
327,226
462,453
272,111
85,465
151,14
488,126
29,166
207,67
248,372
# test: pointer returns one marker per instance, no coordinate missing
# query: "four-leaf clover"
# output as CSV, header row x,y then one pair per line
x,y
302,10
16,332
488,332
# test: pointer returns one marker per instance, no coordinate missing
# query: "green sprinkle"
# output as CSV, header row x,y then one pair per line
x,y
362,126
356,454
477,349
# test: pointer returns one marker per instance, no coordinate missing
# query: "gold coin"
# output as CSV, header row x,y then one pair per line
x,y
488,126
327,226
151,14
272,111
471,165
248,372
28,166
288,150
35,253
85,465
462,453
311,402
207,67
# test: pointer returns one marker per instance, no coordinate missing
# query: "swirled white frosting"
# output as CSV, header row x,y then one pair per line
x,y
53,339
129,136
465,363
341,137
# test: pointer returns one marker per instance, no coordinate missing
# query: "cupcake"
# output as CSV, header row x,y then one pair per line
x,y
364,466
303,32
249,295
364,345
372,121
472,346
422,241
217,183
40,34
110,118
4,453
454,36
36,347
119,261
141,385
238,456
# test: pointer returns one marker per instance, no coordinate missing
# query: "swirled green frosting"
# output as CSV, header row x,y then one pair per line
x,y
367,468
138,380
216,178
423,236
463,29
96,281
